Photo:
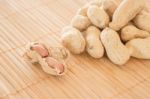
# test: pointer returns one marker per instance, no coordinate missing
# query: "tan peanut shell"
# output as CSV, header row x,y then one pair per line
x,y
31,55
98,16
73,40
131,32
115,49
142,21
59,53
146,7
125,12
83,10
93,43
80,22
140,48
61,56
110,6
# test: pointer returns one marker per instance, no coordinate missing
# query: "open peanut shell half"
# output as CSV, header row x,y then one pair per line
x,y
31,55
59,54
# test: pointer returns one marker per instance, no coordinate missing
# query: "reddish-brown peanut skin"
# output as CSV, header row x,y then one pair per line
x,y
53,63
40,49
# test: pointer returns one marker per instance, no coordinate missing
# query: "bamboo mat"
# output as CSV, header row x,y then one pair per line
x,y
22,21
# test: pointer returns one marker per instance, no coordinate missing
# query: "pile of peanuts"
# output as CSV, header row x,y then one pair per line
x,y
121,28
51,59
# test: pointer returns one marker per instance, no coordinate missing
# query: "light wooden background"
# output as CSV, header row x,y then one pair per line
x,y
22,21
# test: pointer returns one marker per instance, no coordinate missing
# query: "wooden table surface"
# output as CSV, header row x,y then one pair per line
x,y
22,21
